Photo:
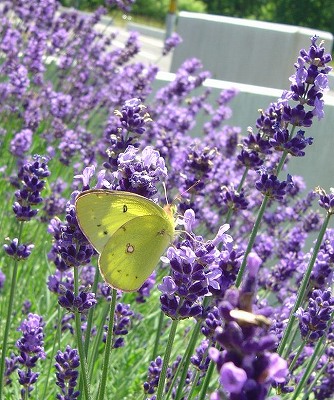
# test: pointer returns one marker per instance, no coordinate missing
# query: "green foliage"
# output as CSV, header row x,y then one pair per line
x,y
316,14
239,8
159,8
83,4
192,5
309,13
156,9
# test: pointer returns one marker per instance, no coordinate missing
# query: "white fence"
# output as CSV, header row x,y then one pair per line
x,y
245,51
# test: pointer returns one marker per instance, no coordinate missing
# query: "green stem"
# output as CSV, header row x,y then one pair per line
x,y
55,342
230,211
97,340
110,336
81,350
207,380
292,337
194,385
91,313
244,176
302,288
309,369
283,158
189,351
157,336
186,360
318,352
314,382
251,240
9,314
161,384
179,369
295,358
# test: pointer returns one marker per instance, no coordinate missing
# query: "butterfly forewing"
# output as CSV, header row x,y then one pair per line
x,y
100,213
134,250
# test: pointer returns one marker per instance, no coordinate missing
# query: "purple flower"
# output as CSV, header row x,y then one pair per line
x,y
60,105
250,159
81,303
60,280
32,336
233,199
326,201
293,146
201,359
170,43
145,291
253,263
211,322
133,116
257,143
140,172
232,378
195,272
308,85
2,279
154,371
18,251
313,321
11,366
18,78
127,130
278,368
26,306
67,364
122,322
30,185
31,348
71,248
21,142
246,364
124,5
270,186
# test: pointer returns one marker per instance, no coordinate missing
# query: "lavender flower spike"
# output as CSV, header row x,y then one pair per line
x,y
31,349
67,365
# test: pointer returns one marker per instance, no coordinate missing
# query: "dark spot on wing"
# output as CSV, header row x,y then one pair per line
x,y
98,225
105,232
125,208
129,248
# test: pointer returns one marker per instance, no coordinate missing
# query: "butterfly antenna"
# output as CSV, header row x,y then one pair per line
x,y
165,190
179,196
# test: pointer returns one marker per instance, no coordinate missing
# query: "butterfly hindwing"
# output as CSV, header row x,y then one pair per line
x,y
100,213
134,250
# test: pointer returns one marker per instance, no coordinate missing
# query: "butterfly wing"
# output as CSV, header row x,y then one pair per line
x,y
100,213
134,250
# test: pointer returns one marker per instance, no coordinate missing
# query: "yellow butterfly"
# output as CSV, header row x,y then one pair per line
x,y
129,231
